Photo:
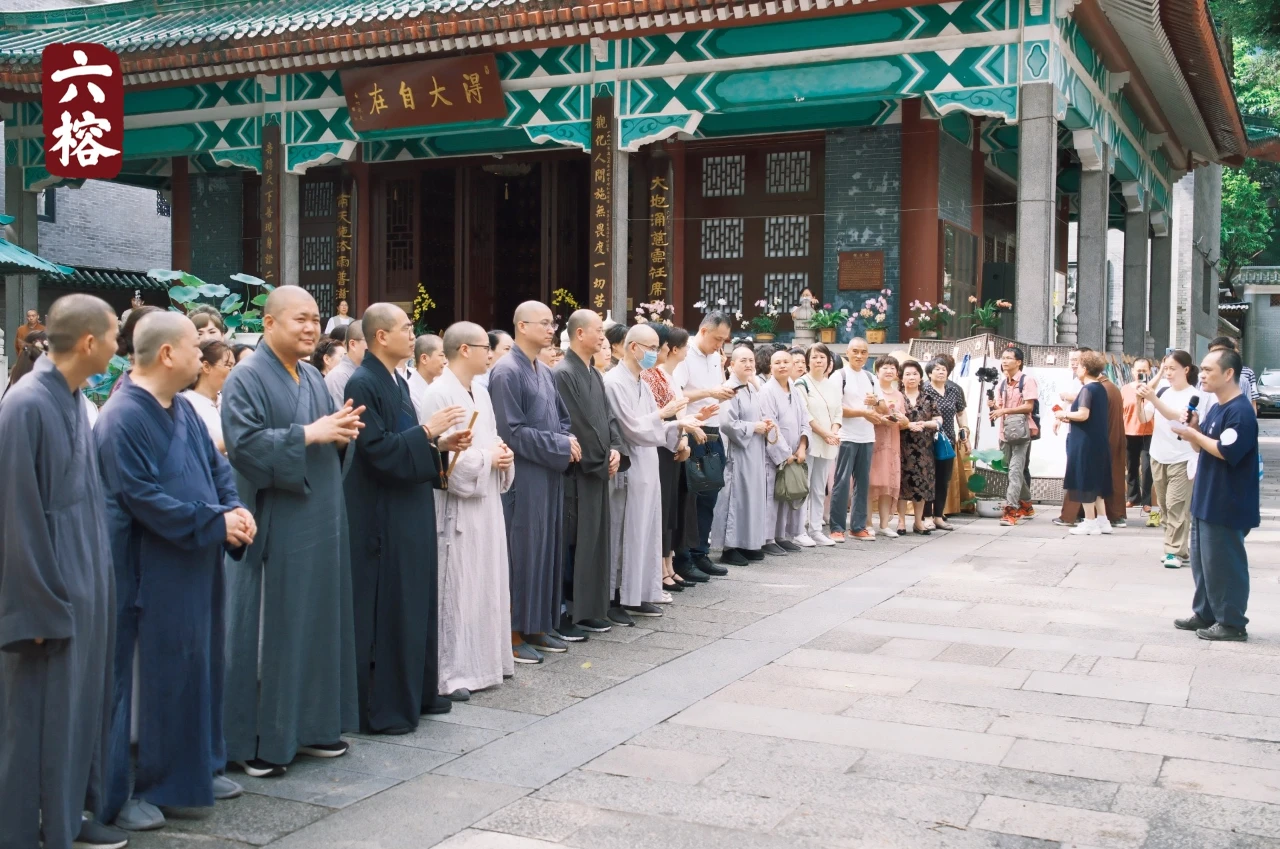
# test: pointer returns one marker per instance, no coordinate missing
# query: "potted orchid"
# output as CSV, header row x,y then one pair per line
x,y
874,315
986,318
765,325
827,321
928,317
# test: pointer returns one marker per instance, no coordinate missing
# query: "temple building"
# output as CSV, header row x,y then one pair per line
x,y
712,151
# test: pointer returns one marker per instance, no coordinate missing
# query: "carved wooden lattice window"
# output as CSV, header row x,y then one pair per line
x,y
988,249
721,287
724,176
722,238
786,235
317,253
787,172
317,232
784,287
400,226
317,199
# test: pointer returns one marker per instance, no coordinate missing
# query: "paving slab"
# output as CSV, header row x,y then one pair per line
x,y
1236,782
658,764
1146,692
1056,822
1084,762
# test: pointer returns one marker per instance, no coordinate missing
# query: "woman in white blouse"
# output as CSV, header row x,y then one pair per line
x,y
216,361
822,396
342,319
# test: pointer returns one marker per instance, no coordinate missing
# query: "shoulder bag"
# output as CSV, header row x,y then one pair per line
x,y
792,483
942,447
704,472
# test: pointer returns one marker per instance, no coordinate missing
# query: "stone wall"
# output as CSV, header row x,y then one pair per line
x,y
1262,333
863,186
1196,231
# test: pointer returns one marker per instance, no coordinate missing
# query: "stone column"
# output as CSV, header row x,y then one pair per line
x,y
21,291
290,246
1091,250
1137,226
1161,302
621,229
1037,213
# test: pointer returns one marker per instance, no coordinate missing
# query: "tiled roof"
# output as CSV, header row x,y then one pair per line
x,y
106,278
160,40
16,260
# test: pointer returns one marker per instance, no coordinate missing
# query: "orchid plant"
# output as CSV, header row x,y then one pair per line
x,y
987,315
927,316
874,313
828,318
766,321
423,303
658,312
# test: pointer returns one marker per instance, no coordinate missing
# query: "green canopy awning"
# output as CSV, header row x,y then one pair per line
x,y
16,260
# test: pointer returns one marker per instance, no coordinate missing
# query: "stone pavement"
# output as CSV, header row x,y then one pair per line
x,y
1006,688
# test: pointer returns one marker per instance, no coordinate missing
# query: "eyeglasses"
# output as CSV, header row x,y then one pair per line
x,y
650,347
486,347
546,322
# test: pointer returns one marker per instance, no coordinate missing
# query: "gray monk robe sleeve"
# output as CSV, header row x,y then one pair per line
x,y
33,602
268,458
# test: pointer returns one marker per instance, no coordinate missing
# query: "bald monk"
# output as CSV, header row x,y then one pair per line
x,y
291,666
57,593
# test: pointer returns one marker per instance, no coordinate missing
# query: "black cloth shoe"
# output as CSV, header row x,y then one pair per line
x,y
644,609
788,545
100,836
462,694
694,575
755,555
773,549
674,586
258,768
1224,633
683,582
435,705
325,750
595,626
619,617
570,632
1191,623
733,557
704,563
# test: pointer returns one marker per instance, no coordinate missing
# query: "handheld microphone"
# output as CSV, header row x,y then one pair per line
x,y
1191,408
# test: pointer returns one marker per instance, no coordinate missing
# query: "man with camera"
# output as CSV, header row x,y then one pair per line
x,y
1013,412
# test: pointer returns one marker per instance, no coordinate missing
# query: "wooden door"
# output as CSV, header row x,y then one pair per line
x,y
396,222
478,254
754,224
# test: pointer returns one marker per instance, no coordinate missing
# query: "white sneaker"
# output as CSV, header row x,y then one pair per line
x,y
804,541
665,598
821,539
1104,524
1085,529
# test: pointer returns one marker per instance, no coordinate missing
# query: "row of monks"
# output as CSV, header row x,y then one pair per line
x,y
343,567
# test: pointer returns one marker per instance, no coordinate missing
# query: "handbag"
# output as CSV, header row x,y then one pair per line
x,y
942,447
704,473
792,483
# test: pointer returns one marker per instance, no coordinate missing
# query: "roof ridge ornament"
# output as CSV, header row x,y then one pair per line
x,y
1064,8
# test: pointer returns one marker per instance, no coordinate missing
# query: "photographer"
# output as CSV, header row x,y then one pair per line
x,y
1014,414
1137,434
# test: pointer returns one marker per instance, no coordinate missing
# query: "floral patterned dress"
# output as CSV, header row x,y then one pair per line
x,y
918,464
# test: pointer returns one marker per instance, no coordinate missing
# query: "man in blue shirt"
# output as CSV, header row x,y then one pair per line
x,y
1224,502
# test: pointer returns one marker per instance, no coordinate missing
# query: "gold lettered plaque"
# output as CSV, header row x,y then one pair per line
x,y
416,94
861,271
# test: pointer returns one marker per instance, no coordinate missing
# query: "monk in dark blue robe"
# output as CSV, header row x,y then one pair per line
x,y
57,594
168,492
534,422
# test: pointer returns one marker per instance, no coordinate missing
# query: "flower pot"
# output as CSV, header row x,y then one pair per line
x,y
764,337
876,337
928,334
826,335
981,329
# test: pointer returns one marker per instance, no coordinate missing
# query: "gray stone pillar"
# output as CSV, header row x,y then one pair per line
x,y
21,291
1161,302
1137,226
1091,256
1037,215
290,220
621,231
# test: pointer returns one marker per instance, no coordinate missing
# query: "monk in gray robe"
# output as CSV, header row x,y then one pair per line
x,y
57,592
291,669
781,404
742,510
636,497
533,421
586,494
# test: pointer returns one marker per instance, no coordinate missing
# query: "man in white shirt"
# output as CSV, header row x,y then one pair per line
x,y
500,343
428,363
702,378
857,444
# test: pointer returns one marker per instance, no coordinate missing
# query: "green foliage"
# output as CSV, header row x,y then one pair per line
x,y
190,292
990,458
1255,20
1246,222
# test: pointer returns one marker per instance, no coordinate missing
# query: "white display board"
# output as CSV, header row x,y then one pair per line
x,y
1049,452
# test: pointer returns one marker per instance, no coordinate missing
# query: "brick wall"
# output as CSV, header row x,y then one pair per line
x,y
216,227
106,225
863,184
955,181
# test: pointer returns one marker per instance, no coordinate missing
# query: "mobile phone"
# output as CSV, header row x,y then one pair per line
x,y
739,386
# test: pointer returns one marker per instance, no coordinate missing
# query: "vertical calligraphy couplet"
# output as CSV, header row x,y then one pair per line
x,y
272,206
658,251
600,232
82,94
345,254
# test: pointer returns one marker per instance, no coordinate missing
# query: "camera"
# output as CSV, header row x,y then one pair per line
x,y
988,374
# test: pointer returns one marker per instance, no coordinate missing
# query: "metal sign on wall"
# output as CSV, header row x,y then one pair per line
x,y
272,205
417,94
860,271
601,203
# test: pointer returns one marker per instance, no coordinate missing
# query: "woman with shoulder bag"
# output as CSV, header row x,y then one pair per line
x,y
923,423
948,397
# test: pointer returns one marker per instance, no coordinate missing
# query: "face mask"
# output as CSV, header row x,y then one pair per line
x,y
649,360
